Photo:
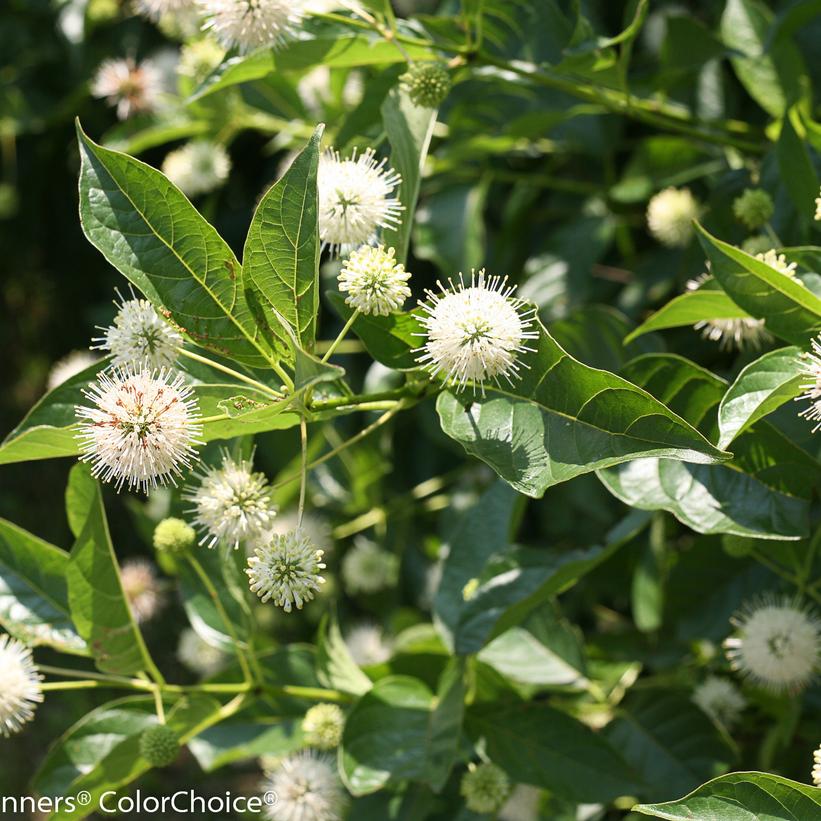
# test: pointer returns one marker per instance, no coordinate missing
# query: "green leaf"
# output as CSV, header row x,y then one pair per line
x,y
399,730
334,665
44,433
101,752
388,339
790,310
764,492
202,613
688,309
81,489
797,169
95,595
409,129
513,584
539,745
147,229
482,530
33,593
770,73
667,739
544,650
332,49
563,419
747,796
760,388
281,255
247,736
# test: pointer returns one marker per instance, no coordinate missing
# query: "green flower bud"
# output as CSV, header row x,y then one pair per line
x,y
759,244
159,745
323,725
485,788
427,83
754,208
173,536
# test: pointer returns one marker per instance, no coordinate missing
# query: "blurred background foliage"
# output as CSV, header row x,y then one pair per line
x,y
546,180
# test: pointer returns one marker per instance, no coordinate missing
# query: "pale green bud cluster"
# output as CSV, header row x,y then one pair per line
x,y
427,83
754,208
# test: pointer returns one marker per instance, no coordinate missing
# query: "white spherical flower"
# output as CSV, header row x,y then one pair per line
x,y
779,262
374,281
232,503
142,589
670,215
250,24
777,645
354,199
199,656
476,332
720,699
70,365
286,570
141,428
816,767
366,568
811,389
131,87
367,645
307,789
20,690
198,167
139,336
154,9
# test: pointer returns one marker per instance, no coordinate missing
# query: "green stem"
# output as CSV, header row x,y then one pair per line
x,y
359,399
212,592
348,347
303,444
80,684
158,705
342,334
236,374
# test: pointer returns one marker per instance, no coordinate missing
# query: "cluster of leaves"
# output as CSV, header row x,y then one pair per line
x,y
619,465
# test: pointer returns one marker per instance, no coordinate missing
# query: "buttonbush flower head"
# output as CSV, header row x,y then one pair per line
x,y
367,645
754,208
776,644
485,787
475,332
142,589
154,9
366,568
427,83
130,87
232,503
20,691
199,58
779,262
198,655
323,725
174,536
816,767
286,570
720,699
139,336
670,215
197,167
307,789
740,333
141,428
159,745
355,198
70,365
374,281
811,388
249,24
